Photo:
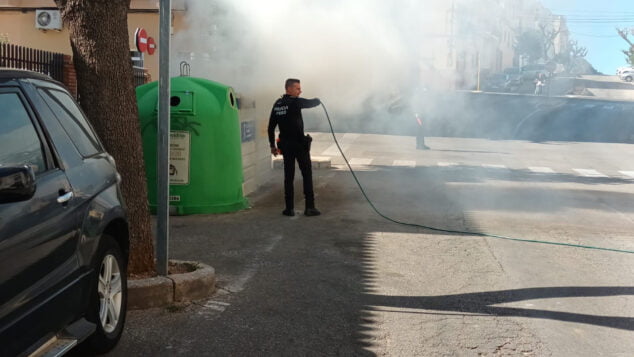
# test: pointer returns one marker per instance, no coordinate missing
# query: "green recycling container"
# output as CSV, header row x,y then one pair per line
x,y
205,146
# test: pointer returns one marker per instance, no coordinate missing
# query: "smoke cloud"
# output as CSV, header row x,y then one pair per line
x,y
343,51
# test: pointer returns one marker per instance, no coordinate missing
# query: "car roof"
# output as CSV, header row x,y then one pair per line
x,y
12,73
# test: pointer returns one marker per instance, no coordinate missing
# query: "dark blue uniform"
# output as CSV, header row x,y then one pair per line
x,y
294,144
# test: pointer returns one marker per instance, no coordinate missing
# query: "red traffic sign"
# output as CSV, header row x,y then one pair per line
x,y
151,46
140,36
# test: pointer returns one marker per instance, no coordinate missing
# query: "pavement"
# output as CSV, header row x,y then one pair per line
x,y
607,87
199,282
351,283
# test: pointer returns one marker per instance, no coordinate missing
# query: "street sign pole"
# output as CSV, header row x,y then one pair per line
x,y
163,142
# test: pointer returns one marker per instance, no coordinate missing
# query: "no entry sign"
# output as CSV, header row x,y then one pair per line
x,y
140,36
151,46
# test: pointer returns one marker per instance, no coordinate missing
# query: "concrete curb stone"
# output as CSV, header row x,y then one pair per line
x,y
162,291
195,285
318,162
150,292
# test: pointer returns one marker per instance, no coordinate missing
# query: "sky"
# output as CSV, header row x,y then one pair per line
x,y
592,23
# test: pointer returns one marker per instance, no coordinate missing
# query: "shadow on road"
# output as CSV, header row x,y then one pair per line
x,y
483,303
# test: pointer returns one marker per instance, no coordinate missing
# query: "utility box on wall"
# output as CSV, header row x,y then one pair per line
x,y
205,146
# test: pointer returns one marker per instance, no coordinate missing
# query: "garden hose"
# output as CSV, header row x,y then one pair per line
x,y
478,234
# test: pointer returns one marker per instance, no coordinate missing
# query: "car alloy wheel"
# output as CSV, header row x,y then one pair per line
x,y
110,293
108,299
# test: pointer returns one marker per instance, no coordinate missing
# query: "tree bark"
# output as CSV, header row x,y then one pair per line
x,y
99,40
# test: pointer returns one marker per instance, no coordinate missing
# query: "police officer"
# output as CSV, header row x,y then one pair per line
x,y
420,135
293,144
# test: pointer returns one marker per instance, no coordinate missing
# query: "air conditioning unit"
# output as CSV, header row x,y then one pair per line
x,y
48,20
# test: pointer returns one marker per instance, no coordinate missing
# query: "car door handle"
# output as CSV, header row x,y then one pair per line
x,y
65,197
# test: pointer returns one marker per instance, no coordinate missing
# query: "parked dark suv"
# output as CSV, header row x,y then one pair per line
x,y
63,230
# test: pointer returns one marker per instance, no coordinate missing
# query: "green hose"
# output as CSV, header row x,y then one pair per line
x,y
479,234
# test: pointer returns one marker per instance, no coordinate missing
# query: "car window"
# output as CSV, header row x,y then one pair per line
x,y
19,141
73,121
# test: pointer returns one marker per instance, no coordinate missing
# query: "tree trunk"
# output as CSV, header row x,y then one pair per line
x,y
99,39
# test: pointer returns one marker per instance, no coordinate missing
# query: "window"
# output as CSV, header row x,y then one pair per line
x,y
19,141
73,121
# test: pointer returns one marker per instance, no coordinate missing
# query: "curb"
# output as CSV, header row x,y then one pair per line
x,y
160,291
318,162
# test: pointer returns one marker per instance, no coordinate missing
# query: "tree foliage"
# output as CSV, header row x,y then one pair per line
x,y
548,36
629,53
530,44
106,93
577,51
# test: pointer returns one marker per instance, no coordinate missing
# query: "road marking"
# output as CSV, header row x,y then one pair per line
x,y
541,170
276,239
628,173
493,166
406,163
447,164
590,105
333,150
589,173
216,305
238,283
360,161
344,141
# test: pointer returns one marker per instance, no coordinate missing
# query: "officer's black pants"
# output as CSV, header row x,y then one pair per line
x,y
303,160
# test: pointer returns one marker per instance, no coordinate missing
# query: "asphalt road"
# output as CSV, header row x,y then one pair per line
x,y
351,283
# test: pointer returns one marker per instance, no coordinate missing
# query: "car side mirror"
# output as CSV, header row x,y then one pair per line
x,y
16,184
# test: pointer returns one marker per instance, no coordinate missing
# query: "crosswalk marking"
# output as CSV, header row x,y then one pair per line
x,y
360,161
407,163
628,173
364,161
345,142
541,170
333,150
447,164
589,173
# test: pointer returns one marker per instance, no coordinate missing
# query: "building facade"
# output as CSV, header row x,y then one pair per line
x,y
18,25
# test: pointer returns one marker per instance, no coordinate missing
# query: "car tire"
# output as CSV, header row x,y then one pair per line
x,y
628,78
108,295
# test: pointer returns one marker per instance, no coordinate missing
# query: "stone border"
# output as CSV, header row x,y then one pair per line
x,y
160,291
318,162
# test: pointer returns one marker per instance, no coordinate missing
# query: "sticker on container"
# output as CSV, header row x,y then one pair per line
x,y
175,198
179,157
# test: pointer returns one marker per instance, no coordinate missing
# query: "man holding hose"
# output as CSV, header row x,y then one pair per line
x,y
293,144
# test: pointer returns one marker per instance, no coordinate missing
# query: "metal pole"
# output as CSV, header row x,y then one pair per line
x,y
478,85
163,142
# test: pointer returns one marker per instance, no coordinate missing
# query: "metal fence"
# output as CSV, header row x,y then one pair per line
x,y
139,76
50,63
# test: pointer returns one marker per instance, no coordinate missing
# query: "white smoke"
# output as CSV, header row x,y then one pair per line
x,y
343,51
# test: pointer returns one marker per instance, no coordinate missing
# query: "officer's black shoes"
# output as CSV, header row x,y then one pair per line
x,y
288,212
311,212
